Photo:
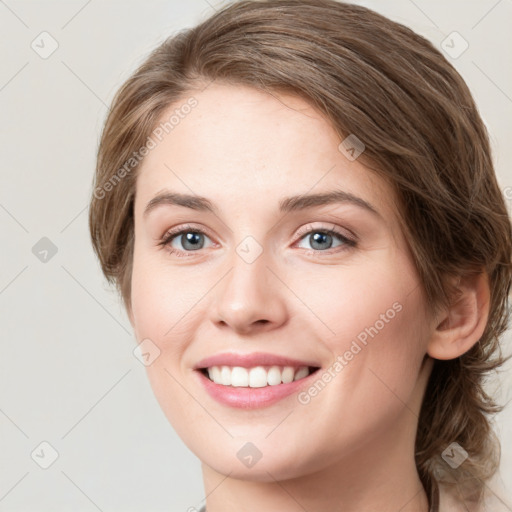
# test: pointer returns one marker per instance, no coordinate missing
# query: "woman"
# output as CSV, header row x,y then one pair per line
x,y
345,376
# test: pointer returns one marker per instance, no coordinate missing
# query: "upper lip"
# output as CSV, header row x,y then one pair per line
x,y
251,360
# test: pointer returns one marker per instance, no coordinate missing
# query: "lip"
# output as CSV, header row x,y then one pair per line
x,y
253,398
251,360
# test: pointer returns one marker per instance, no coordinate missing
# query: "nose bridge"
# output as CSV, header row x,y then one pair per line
x,y
249,294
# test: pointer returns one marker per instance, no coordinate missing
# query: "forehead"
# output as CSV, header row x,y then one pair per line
x,y
245,148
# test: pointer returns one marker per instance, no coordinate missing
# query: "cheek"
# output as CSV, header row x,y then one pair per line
x,y
374,302
379,317
378,338
162,301
164,313
378,346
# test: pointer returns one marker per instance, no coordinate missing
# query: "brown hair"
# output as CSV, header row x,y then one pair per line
x,y
379,80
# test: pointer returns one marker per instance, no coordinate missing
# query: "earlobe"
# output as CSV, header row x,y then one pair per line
x,y
462,323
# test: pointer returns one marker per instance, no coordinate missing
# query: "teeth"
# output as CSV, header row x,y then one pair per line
x,y
287,375
225,376
256,377
301,373
274,376
239,377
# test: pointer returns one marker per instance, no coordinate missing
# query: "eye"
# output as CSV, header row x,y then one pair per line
x,y
190,238
321,239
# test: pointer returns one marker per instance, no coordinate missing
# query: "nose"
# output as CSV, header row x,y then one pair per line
x,y
250,298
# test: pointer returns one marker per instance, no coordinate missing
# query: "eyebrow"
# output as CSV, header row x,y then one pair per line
x,y
286,205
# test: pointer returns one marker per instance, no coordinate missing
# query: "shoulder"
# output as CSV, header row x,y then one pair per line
x,y
495,499
450,501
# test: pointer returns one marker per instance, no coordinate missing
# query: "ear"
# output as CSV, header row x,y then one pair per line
x,y
462,324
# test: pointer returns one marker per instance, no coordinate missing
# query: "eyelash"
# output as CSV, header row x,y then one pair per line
x,y
171,235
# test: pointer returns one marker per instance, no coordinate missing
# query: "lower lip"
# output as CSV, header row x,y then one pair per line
x,y
252,398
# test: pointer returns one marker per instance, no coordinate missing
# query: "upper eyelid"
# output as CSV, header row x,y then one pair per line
x,y
337,230
172,233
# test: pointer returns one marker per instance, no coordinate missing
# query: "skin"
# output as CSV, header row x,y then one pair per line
x,y
351,447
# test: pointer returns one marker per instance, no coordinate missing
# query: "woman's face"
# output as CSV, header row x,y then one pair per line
x,y
267,278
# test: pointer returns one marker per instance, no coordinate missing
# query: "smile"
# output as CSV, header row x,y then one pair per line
x,y
238,393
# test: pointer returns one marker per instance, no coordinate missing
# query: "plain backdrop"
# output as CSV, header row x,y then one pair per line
x,y
68,377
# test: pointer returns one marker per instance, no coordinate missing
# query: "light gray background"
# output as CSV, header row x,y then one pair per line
x,y
68,375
